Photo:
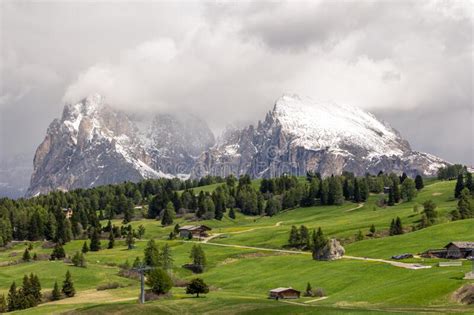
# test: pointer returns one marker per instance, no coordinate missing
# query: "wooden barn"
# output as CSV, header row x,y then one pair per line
x,y
458,250
284,293
194,230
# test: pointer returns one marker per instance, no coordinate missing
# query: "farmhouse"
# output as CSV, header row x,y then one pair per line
x,y
67,212
194,230
453,250
284,293
459,249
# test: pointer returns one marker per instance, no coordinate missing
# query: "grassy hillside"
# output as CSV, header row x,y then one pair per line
x,y
241,277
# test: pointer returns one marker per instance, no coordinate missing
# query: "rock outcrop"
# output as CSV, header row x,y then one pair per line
x,y
332,251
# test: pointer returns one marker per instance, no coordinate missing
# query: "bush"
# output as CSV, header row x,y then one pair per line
x,y
319,292
78,260
159,281
109,286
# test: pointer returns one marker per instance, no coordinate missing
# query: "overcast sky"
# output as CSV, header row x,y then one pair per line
x,y
409,62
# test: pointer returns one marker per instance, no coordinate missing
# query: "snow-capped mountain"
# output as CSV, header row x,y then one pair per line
x,y
93,144
301,135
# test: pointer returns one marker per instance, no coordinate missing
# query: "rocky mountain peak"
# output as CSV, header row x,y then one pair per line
x,y
301,135
94,144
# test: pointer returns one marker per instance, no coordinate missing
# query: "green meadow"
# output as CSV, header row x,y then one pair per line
x,y
239,278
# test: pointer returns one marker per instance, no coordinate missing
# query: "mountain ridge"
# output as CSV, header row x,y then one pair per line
x,y
94,144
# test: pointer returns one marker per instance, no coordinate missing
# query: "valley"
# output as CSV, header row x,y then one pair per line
x,y
247,257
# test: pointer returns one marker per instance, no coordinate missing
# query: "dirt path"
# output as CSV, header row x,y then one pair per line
x,y
355,208
393,263
207,239
89,296
315,300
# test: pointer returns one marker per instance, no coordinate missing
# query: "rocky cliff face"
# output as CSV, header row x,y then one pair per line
x,y
300,135
93,144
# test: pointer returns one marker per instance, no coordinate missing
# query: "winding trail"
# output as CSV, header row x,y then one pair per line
x,y
355,208
299,252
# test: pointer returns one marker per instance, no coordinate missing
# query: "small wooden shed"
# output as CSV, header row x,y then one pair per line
x,y
194,230
284,293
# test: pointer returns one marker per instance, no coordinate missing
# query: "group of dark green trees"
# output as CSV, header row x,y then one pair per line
x,y
29,294
43,217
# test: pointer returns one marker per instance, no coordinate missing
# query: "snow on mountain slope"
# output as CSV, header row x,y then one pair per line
x,y
301,135
329,125
93,144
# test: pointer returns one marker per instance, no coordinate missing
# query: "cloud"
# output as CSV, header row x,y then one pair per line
x,y
229,61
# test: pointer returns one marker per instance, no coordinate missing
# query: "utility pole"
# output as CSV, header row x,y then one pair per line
x,y
141,270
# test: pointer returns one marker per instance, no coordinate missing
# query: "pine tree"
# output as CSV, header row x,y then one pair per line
x,y
357,196
232,213
294,239
35,288
198,256
372,230
27,293
130,240
26,255
305,238
398,226
55,294
152,254
85,248
396,191
469,183
409,190
141,231
429,210
3,304
391,198
68,286
78,260
359,236
309,290
12,298
168,214
464,204
319,241
392,230
58,252
459,186
95,241
166,258
111,240
419,182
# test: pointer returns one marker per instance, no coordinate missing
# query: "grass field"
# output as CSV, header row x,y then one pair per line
x,y
241,277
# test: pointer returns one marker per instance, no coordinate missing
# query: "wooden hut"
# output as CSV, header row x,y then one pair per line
x,y
284,293
194,230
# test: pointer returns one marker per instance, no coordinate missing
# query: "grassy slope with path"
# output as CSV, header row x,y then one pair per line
x,y
241,277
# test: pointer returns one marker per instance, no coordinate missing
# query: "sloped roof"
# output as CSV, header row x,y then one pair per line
x,y
194,227
462,244
278,290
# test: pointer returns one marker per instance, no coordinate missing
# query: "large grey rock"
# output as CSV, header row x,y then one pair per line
x,y
332,251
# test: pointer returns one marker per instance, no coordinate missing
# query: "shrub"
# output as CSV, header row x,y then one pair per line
x,y
109,286
159,281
